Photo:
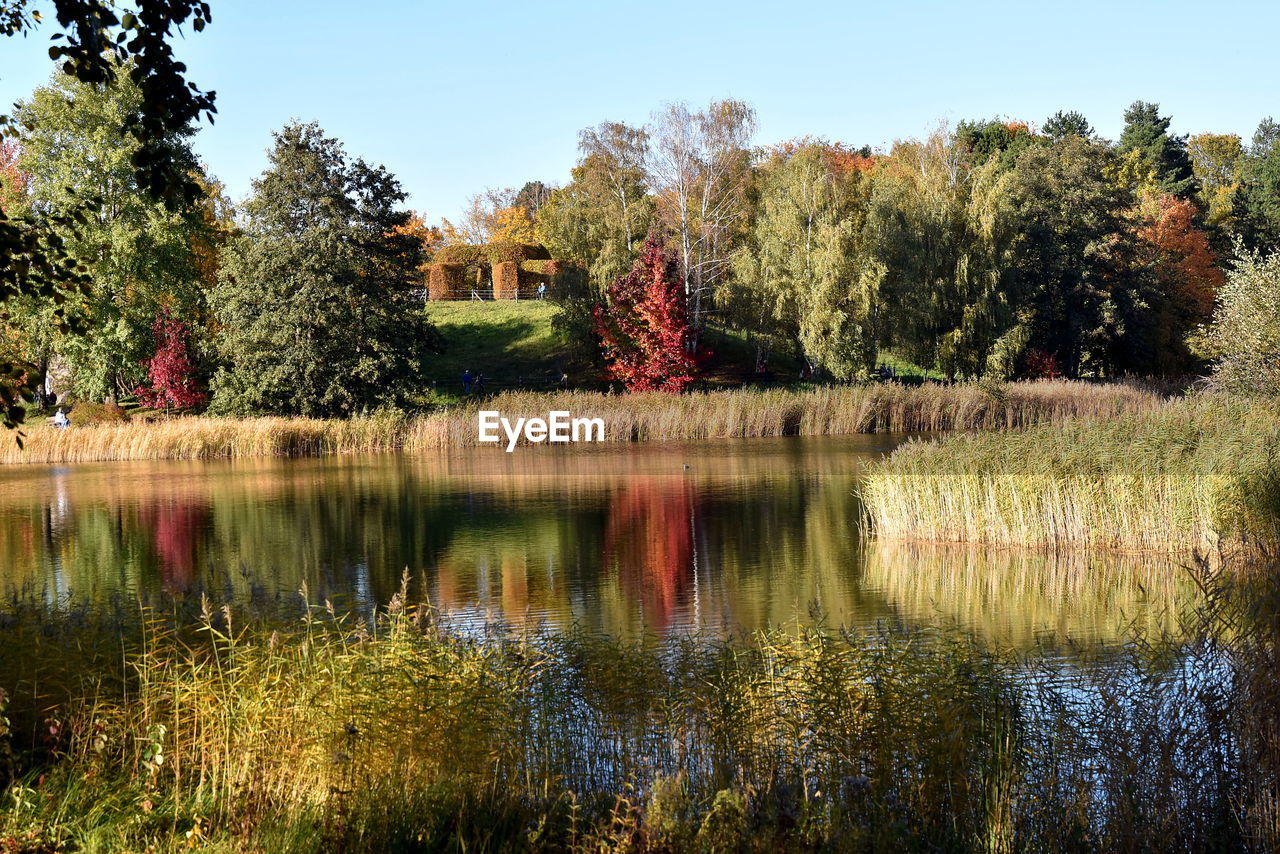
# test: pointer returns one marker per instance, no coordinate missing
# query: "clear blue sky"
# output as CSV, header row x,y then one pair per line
x,y
457,97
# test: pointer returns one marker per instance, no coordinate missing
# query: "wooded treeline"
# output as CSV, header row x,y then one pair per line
x,y
995,248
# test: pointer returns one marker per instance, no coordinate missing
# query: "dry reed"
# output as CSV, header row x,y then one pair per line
x,y
1197,474
747,413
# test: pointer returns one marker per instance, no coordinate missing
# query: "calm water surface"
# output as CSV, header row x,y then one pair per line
x,y
620,538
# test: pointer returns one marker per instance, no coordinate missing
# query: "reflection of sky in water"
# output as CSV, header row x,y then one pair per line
x,y
615,538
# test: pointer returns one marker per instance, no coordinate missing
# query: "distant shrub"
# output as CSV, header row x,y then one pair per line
x,y
1245,333
502,251
85,414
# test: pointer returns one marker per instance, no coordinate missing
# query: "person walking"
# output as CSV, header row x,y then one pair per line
x,y
466,382
479,386
542,290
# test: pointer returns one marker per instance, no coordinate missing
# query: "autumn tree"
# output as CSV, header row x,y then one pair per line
x,y
699,168
1187,278
603,214
1216,160
172,377
317,300
644,325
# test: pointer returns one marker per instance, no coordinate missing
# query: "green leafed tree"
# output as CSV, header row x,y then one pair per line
x,y
799,277
318,300
1067,123
1069,259
137,250
941,231
602,216
1244,337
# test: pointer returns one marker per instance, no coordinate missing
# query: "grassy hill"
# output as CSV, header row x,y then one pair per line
x,y
513,344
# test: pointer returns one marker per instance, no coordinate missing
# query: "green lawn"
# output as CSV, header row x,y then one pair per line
x,y
505,341
512,343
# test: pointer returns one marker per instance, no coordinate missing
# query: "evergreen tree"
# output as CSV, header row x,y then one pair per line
x,y
1147,133
318,300
1062,124
1257,204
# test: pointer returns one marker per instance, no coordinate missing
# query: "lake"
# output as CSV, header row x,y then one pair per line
x,y
623,539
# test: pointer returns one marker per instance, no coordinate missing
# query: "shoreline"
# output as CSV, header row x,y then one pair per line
x,y
733,414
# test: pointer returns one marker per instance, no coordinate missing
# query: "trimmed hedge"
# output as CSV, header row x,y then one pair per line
x,y
446,281
506,280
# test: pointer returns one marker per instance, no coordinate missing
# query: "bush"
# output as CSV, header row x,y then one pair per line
x,y
1245,334
86,414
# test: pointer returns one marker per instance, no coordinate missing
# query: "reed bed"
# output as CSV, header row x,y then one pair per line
x,y
746,413
1197,474
400,733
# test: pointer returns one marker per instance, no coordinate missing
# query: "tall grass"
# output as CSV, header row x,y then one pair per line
x,y
639,417
403,734
1194,474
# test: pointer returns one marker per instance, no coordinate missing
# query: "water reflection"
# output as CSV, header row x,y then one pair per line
x,y
621,539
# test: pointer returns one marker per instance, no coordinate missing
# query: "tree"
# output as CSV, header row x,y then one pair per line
x,y
171,374
137,251
1257,207
941,232
1071,252
1244,337
602,215
316,302
95,44
644,327
1147,133
799,277
1187,279
698,168
1063,124
1216,159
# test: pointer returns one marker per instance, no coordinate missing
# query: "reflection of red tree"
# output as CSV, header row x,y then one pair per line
x,y
649,541
175,527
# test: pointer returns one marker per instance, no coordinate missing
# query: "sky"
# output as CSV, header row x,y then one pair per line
x,y
454,98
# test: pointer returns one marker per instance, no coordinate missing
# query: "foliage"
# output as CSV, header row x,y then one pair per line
x,y
1068,123
1245,333
172,376
799,276
87,413
644,327
137,251
316,301
97,46
1258,201
1147,133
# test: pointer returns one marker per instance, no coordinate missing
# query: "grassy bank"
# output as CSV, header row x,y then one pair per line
x,y
746,413
1192,474
400,734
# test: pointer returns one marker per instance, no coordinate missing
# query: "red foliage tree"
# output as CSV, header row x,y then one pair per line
x,y
1182,256
644,329
171,372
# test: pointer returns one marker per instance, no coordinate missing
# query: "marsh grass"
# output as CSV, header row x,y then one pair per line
x,y
747,413
1199,473
403,733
